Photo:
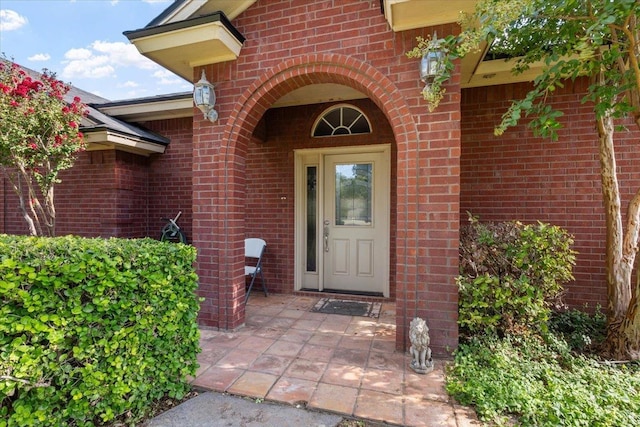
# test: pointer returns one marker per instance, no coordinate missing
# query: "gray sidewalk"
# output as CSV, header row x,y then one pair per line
x,y
217,410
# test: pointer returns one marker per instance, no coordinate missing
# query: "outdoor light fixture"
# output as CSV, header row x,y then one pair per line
x,y
205,98
432,61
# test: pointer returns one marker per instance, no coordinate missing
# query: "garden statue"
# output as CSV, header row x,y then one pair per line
x,y
421,361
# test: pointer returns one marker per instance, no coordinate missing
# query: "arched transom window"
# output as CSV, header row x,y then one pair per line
x,y
341,119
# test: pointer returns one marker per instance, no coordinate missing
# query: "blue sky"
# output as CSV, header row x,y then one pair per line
x,y
82,42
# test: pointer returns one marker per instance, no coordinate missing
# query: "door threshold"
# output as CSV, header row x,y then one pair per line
x,y
342,292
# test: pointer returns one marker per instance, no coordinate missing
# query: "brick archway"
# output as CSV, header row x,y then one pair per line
x,y
247,112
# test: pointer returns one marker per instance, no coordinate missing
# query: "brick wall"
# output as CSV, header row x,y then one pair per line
x,y
86,200
132,195
105,194
519,176
170,173
291,44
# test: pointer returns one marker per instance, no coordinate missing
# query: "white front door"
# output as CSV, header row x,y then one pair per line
x,y
345,243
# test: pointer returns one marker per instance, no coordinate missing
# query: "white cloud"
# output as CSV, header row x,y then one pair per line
x,y
156,1
123,54
78,54
102,59
94,67
114,2
11,20
40,57
129,83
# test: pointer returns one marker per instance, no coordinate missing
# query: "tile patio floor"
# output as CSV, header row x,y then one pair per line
x,y
342,364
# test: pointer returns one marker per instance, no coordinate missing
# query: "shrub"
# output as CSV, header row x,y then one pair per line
x,y
581,330
542,384
511,274
93,329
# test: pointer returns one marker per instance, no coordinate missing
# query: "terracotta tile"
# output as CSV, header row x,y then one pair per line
x,y
303,303
310,315
356,343
385,345
205,334
268,310
383,380
271,364
247,330
335,324
384,360
203,367
212,355
257,320
466,417
429,386
383,330
296,335
292,355
375,405
253,384
217,379
433,414
388,309
281,322
349,356
238,358
357,331
306,324
255,343
226,340
345,375
292,391
291,313
362,323
326,339
319,353
334,398
389,319
285,348
306,369
269,332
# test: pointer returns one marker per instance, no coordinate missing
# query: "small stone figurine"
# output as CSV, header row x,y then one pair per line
x,y
421,361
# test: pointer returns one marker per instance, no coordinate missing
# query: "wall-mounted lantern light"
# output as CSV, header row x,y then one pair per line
x,y
205,98
432,62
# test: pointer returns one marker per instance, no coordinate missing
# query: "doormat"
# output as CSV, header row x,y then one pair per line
x,y
348,308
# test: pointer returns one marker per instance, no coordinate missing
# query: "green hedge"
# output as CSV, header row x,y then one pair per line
x,y
93,329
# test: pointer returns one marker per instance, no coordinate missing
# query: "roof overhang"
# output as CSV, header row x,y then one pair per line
x,y
475,71
500,71
105,139
410,14
182,46
148,109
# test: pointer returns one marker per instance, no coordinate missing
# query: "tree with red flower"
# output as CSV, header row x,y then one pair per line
x,y
39,137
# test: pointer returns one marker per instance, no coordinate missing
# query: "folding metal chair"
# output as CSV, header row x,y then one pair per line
x,y
254,249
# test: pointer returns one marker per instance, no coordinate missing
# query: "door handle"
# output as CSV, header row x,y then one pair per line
x,y
326,235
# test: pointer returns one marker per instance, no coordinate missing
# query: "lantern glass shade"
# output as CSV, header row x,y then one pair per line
x,y
203,95
430,65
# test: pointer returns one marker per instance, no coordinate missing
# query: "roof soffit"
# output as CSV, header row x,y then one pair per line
x,y
148,109
105,139
181,46
410,14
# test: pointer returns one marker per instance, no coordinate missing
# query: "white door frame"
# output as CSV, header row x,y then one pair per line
x,y
314,157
